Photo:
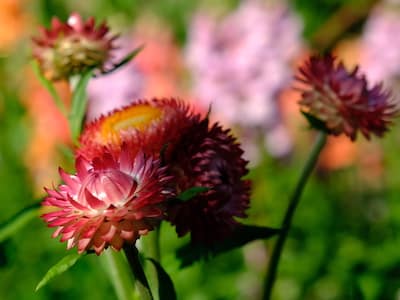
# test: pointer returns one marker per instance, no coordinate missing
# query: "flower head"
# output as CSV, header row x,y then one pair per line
x,y
342,101
211,158
108,202
148,124
73,47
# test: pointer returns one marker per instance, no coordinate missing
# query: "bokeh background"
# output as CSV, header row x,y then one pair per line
x,y
240,57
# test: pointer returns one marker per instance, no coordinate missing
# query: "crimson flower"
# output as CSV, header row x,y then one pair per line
x,y
108,202
208,157
341,101
73,47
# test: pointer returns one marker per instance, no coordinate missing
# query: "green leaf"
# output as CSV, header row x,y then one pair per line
x,y
79,103
49,87
315,122
18,221
63,265
243,234
166,288
125,60
191,192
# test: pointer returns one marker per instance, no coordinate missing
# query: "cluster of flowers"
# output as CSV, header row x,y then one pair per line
x,y
133,164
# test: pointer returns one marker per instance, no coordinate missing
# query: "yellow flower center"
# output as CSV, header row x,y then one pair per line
x,y
137,117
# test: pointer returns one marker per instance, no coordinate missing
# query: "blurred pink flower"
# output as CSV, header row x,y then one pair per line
x,y
381,43
240,64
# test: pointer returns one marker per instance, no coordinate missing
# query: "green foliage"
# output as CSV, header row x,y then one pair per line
x,y
18,221
166,289
242,235
63,265
192,192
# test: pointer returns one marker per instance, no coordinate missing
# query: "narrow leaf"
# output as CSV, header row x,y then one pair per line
x,y
166,289
125,60
49,87
63,265
192,192
243,234
18,221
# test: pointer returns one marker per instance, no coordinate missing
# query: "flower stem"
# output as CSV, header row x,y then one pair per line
x,y
287,221
151,246
120,277
141,282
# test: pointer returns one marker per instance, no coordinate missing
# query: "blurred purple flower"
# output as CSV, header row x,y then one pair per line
x,y
240,64
381,43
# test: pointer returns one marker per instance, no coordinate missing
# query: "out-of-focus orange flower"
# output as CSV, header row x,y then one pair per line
x,y
160,61
338,153
13,21
49,129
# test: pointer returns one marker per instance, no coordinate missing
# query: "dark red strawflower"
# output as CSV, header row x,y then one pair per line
x,y
108,202
67,49
341,99
208,157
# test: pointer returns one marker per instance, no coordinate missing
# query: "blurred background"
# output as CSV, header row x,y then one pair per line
x,y
240,57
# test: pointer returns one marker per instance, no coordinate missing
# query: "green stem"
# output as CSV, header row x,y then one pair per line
x,y
141,282
287,221
151,246
79,103
120,277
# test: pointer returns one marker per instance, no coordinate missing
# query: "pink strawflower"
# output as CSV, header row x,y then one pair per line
x,y
108,202
341,100
71,48
208,156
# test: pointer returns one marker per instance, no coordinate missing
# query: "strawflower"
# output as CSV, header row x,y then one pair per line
x,y
210,157
108,202
67,49
148,124
341,101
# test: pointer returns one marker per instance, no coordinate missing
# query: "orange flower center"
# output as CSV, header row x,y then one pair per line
x,y
137,117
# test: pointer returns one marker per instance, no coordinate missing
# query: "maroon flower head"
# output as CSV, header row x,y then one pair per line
x,y
210,158
108,202
341,100
71,48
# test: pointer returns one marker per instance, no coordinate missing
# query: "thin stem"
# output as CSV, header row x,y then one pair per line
x,y
141,282
151,246
120,277
287,221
